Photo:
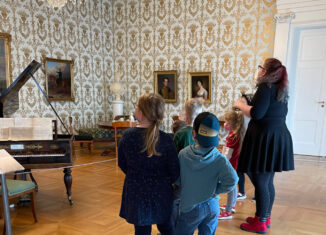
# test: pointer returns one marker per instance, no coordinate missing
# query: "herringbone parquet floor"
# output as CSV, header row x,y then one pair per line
x,y
300,203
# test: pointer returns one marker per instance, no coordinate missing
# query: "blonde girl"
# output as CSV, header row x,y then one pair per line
x,y
149,159
234,122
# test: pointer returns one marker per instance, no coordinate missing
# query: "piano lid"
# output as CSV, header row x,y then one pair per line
x,y
9,98
20,80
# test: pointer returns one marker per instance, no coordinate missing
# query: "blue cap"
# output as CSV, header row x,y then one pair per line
x,y
207,133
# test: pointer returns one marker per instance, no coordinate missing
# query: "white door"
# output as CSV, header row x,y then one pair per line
x,y
308,119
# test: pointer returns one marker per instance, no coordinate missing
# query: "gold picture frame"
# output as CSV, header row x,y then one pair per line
x,y
59,79
5,61
165,84
200,85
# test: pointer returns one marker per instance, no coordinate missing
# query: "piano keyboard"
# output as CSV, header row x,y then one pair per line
x,y
39,155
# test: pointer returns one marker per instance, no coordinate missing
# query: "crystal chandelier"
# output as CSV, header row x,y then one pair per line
x,y
59,3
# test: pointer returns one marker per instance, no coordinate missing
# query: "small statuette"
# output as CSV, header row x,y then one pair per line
x,y
116,88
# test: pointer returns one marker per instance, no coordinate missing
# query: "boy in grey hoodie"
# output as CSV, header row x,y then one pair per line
x,y
204,173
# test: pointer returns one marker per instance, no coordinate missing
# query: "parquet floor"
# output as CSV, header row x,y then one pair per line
x,y
300,203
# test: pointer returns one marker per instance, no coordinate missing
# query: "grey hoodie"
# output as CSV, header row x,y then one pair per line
x,y
204,173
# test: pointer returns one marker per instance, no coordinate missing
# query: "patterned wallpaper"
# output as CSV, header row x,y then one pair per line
x,y
82,33
227,37
137,37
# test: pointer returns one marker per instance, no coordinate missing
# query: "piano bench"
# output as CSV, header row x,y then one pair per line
x,y
85,140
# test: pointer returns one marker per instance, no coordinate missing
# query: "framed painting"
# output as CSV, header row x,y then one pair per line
x,y
59,79
165,84
200,86
5,61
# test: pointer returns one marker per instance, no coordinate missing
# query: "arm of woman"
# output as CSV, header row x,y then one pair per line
x,y
260,105
261,101
122,161
245,109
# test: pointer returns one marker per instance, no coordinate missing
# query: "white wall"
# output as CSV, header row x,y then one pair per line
x,y
293,15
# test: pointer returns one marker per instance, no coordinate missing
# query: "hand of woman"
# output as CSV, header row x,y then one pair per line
x,y
239,103
243,106
244,100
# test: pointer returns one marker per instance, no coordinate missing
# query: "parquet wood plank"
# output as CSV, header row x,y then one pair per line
x,y
299,208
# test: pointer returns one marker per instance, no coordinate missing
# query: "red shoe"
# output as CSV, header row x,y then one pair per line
x,y
223,207
250,220
225,215
256,227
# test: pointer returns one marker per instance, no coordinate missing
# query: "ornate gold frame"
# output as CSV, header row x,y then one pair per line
x,y
207,81
158,79
7,40
51,89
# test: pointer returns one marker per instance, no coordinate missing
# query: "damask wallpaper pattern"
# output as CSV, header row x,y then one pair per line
x,y
227,37
137,37
82,33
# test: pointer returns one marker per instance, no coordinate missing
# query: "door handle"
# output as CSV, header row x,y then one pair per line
x,y
322,103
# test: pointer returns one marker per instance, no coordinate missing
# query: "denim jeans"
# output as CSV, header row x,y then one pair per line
x,y
232,199
204,217
175,211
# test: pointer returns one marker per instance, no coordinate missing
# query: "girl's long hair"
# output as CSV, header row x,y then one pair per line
x,y
152,107
235,118
276,74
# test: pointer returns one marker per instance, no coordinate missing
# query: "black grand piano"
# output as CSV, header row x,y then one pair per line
x,y
36,154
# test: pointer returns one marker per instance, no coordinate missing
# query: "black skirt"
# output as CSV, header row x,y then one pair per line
x,y
267,147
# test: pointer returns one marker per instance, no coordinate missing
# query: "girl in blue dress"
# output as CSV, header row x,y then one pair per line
x,y
149,159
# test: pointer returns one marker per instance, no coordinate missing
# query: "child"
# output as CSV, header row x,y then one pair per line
x,y
178,125
234,122
204,173
183,137
241,194
149,159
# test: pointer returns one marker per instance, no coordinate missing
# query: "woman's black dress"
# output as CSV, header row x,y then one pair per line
x,y
267,146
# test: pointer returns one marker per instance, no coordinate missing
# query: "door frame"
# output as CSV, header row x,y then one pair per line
x,y
293,45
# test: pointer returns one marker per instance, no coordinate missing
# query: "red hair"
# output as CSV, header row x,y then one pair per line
x,y
276,74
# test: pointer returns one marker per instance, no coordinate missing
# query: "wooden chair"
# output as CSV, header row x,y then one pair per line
x,y
17,188
81,140
120,126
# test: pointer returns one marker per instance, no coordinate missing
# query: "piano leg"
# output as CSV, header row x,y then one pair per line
x,y
68,183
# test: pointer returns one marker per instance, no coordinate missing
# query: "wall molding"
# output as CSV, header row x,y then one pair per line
x,y
284,17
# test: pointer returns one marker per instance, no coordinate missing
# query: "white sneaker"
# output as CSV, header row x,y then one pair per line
x,y
223,207
241,196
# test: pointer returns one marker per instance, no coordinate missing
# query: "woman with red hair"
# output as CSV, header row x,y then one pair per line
x,y
267,147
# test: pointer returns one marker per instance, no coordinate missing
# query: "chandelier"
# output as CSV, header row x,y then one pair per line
x,y
59,3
